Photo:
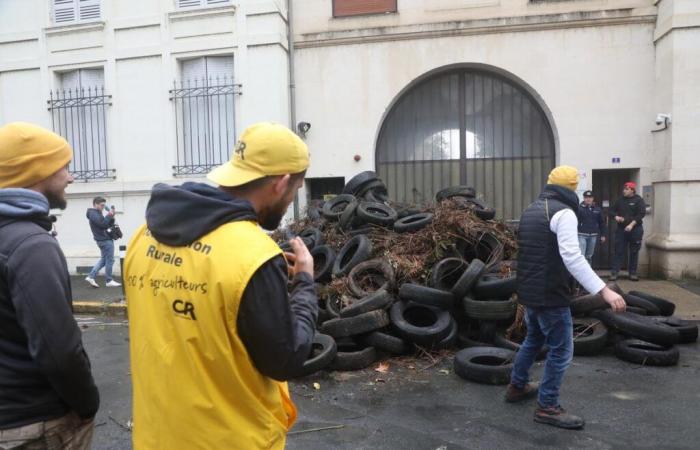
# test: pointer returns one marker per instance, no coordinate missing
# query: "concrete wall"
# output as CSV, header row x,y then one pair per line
x,y
139,43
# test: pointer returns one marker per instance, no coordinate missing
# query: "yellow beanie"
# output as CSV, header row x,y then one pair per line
x,y
565,176
29,154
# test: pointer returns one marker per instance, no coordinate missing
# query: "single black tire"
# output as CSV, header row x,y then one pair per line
x,y
333,307
334,208
586,304
387,343
420,324
380,268
407,211
380,299
427,296
450,340
446,273
412,223
646,353
346,218
325,350
666,308
500,341
355,251
485,214
468,278
489,309
376,213
466,340
487,365
313,234
356,360
455,191
359,324
687,331
590,337
487,330
364,229
636,310
650,308
324,258
376,196
498,288
313,213
355,183
639,327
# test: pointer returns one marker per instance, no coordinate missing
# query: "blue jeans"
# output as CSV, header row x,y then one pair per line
x,y
554,327
106,259
623,240
587,243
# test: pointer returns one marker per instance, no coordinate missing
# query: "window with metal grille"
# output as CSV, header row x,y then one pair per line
x,y
71,11
205,123
468,127
345,8
78,114
184,4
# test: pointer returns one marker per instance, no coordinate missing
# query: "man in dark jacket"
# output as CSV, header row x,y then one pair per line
x,y
99,224
209,303
628,211
47,393
548,254
591,225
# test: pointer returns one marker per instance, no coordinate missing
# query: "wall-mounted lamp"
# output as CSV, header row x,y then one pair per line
x,y
663,119
303,128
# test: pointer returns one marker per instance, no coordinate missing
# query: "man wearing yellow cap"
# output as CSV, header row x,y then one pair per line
x,y
47,393
548,254
214,333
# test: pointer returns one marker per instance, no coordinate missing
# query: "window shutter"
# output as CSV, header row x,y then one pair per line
x,y
89,9
92,78
70,80
188,3
220,67
194,69
64,11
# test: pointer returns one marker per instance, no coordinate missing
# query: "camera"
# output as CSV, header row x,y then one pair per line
x,y
303,128
663,119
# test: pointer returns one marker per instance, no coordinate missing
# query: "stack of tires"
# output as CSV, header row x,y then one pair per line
x,y
647,333
461,301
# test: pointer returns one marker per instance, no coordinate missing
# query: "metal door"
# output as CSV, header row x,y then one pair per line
x,y
607,188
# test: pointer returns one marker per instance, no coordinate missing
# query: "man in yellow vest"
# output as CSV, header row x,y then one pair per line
x,y
214,333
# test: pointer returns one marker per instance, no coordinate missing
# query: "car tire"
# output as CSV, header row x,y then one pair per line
x,y
379,267
687,331
376,213
498,288
487,365
354,360
446,273
380,299
413,223
324,356
426,296
455,191
324,258
334,208
639,327
489,309
359,324
356,250
388,343
467,280
590,337
420,324
666,308
646,353
358,181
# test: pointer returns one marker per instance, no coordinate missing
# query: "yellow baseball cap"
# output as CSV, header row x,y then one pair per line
x,y
264,149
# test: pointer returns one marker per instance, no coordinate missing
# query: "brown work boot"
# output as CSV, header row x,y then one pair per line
x,y
515,394
558,417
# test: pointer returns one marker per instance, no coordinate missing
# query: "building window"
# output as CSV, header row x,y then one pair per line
x,y
185,4
205,122
78,114
71,11
466,127
345,8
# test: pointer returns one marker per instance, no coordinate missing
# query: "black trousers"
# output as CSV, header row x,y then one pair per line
x,y
624,240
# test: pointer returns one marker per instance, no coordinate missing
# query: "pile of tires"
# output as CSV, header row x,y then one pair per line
x,y
460,303
646,334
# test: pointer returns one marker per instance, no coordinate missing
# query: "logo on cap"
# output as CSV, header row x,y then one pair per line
x,y
240,147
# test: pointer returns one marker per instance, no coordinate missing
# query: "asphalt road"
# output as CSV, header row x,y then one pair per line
x,y
422,404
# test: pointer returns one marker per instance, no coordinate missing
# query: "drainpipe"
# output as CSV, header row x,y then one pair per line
x,y
292,85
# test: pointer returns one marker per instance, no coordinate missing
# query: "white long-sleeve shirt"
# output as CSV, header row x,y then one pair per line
x,y
565,225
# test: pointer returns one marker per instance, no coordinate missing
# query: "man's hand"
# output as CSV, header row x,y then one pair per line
x,y
629,227
619,219
301,259
615,300
602,239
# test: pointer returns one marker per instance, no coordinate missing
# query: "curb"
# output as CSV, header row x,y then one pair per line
x,y
99,307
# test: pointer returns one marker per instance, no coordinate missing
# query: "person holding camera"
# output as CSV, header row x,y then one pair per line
x,y
102,225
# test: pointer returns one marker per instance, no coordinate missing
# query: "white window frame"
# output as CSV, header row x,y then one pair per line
x,y
68,12
197,4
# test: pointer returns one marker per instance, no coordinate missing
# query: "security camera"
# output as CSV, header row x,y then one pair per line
x,y
303,127
663,119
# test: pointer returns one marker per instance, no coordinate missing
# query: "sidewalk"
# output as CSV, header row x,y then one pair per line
x,y
685,294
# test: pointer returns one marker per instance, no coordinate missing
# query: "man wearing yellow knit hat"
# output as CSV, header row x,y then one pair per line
x,y
214,334
47,394
548,255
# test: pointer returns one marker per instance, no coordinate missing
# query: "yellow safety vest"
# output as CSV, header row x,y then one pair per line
x,y
194,384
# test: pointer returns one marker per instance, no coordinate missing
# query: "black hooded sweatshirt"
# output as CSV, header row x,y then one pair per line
x,y
277,328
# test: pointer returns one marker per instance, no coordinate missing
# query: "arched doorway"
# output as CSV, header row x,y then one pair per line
x,y
466,126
